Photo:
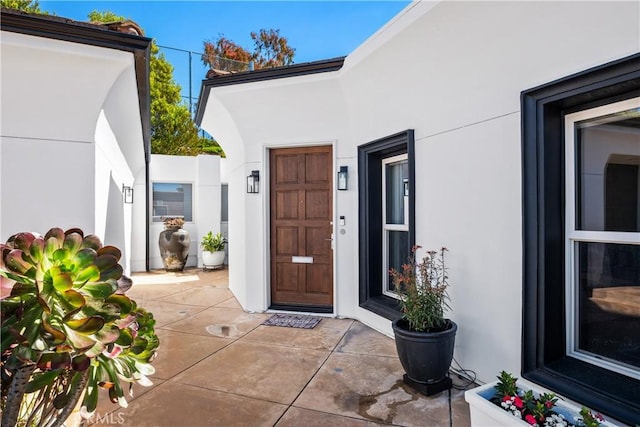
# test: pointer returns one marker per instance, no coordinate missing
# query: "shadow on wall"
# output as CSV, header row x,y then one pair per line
x,y
114,228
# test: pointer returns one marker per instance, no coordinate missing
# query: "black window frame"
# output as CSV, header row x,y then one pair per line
x,y
544,358
370,156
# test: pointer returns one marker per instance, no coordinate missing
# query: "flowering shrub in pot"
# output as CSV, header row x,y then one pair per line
x,y
424,337
508,402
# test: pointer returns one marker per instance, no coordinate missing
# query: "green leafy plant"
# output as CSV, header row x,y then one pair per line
x,y
213,242
67,327
537,410
589,419
422,287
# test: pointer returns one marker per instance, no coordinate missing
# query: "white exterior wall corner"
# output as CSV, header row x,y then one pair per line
x,y
453,72
119,157
60,137
73,82
239,117
222,126
39,188
203,173
208,193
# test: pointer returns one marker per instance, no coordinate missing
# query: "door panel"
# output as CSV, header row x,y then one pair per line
x,y
301,214
316,203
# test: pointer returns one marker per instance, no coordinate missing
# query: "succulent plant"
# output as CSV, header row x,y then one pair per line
x,y
67,326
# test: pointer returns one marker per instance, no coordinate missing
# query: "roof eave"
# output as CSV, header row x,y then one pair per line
x,y
289,71
94,35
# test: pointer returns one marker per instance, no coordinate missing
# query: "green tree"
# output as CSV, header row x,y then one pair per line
x,y
269,50
172,128
31,6
105,17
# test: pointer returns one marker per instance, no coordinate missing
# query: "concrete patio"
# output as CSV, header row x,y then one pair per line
x,y
218,366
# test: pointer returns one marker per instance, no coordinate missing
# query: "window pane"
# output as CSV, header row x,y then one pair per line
x,y
608,153
608,315
224,206
395,174
398,247
172,200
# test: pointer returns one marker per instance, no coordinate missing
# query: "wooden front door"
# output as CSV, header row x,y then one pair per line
x,y
301,215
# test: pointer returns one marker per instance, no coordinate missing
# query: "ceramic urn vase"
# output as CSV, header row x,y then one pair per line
x,y
174,248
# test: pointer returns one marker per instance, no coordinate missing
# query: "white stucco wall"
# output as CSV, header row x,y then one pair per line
x,y
203,173
38,192
453,72
71,135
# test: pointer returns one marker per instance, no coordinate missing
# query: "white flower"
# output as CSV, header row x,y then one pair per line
x,y
555,420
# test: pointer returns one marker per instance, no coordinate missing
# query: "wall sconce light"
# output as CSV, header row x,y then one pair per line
x,y
127,192
253,182
343,174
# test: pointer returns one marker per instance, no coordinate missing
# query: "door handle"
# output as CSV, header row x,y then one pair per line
x,y
331,239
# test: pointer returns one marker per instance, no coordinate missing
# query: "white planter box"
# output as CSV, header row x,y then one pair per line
x,y
213,259
485,413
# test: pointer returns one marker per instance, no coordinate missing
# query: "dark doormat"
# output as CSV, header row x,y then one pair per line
x,y
292,321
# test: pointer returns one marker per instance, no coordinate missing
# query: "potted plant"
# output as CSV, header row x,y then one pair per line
x,y
67,329
511,402
174,244
213,249
424,337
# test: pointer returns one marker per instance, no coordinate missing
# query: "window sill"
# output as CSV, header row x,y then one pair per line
x,y
384,306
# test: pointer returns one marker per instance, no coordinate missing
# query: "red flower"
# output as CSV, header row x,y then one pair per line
x,y
599,416
548,404
530,419
518,402
506,398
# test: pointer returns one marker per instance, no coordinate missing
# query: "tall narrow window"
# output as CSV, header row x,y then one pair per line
x,y
386,216
581,229
603,236
224,202
395,222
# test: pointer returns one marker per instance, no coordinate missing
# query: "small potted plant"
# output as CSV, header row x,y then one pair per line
x,y
424,337
213,249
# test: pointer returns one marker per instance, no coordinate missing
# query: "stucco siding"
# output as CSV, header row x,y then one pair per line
x,y
454,73
203,173
46,184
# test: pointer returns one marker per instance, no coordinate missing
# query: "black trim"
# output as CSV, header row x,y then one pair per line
x,y
544,359
302,308
370,158
295,70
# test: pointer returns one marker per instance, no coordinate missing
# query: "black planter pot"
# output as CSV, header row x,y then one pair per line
x,y
425,356
174,248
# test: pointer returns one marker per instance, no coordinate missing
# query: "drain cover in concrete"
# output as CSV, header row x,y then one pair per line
x,y
292,321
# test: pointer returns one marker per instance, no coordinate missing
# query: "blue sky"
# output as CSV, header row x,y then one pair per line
x,y
316,29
